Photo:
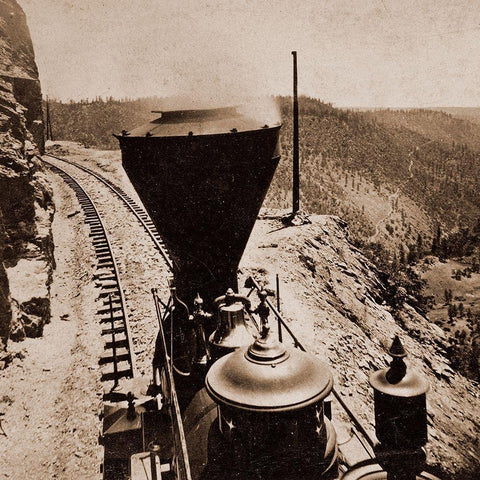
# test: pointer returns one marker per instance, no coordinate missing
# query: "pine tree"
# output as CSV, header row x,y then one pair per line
x,y
444,249
395,262
401,255
412,254
419,245
447,297
436,244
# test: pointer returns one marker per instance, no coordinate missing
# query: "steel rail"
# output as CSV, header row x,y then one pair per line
x,y
139,212
110,281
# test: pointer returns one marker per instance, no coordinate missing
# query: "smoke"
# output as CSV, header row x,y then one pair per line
x,y
264,110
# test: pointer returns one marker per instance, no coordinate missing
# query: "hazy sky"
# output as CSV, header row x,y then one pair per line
x,y
351,53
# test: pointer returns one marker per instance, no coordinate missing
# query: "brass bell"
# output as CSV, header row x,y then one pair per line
x,y
233,330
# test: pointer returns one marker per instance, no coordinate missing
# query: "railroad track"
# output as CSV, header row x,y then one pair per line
x,y
118,361
139,212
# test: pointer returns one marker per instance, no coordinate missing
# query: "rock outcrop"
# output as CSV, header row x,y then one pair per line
x,y
26,205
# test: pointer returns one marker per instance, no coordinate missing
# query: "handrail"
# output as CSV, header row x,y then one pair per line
x,y
252,283
180,461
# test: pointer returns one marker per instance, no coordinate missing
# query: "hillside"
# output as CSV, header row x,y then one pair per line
x,y
382,178
472,114
435,125
389,178
334,299
92,123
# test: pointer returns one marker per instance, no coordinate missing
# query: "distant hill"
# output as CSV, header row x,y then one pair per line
x,y
392,175
442,125
472,114
381,175
93,122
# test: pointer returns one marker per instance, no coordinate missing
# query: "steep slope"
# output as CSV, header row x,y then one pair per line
x,y
334,299
389,182
26,207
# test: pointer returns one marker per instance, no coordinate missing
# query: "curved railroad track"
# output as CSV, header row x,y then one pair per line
x,y
118,360
139,212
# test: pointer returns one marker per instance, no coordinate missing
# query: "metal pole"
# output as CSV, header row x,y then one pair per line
x,y
171,338
49,123
277,314
296,159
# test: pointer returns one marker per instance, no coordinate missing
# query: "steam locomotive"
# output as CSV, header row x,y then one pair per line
x,y
226,398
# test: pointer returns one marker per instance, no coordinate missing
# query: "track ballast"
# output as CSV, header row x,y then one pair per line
x,y
118,360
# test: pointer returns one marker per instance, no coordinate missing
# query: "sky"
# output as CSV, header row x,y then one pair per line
x,y
351,53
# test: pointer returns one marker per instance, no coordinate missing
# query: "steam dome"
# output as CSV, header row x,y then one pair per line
x,y
270,412
267,376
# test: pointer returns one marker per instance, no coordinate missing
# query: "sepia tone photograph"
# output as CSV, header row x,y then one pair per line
x,y
239,240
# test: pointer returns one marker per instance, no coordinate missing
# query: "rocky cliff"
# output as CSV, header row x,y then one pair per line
x,y
26,206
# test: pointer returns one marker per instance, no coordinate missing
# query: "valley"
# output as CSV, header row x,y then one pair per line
x,y
439,278
453,291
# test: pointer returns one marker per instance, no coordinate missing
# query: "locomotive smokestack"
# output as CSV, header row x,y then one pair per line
x,y
296,161
203,175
